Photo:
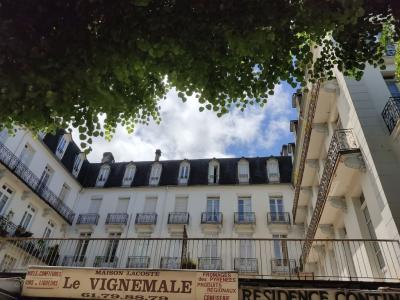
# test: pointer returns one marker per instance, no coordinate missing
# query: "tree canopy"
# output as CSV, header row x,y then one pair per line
x,y
63,62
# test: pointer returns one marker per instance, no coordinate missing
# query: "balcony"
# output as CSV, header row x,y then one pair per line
x,y
245,218
283,266
177,221
139,262
211,218
7,228
348,260
210,263
278,218
118,220
170,263
246,265
88,219
146,219
74,261
105,262
14,165
343,155
391,113
178,218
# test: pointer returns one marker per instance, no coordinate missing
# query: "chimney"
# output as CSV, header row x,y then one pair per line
x,y
158,155
284,151
107,158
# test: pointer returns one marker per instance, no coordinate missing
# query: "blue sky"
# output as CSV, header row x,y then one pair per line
x,y
185,132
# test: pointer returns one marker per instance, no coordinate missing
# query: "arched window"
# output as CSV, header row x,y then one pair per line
x,y
273,170
243,171
78,164
130,171
155,173
184,171
62,145
213,171
103,175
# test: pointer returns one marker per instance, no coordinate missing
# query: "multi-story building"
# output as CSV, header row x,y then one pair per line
x,y
333,215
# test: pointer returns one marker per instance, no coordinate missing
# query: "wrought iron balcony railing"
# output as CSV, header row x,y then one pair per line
x,y
15,165
327,260
211,218
283,266
246,265
7,228
146,219
391,112
105,262
343,142
117,219
88,219
170,263
138,262
245,218
278,218
210,263
309,118
178,218
74,261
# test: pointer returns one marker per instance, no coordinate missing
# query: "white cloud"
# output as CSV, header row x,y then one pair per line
x,y
185,132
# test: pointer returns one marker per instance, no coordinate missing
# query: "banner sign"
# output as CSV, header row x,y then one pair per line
x,y
91,283
259,293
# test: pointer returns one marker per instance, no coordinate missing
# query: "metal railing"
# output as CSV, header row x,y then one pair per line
x,y
117,219
278,218
343,142
88,219
211,218
178,218
283,266
309,118
265,258
146,219
391,113
246,265
15,165
7,228
245,218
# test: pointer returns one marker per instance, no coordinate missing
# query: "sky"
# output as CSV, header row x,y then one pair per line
x,y
184,132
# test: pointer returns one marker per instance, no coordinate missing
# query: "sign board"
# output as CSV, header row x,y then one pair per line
x,y
267,293
91,283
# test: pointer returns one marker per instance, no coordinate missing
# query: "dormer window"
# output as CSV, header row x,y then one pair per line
x,y
273,170
103,175
243,171
184,171
78,164
129,175
62,146
213,172
155,174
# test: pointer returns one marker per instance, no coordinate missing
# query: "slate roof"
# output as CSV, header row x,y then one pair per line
x,y
170,169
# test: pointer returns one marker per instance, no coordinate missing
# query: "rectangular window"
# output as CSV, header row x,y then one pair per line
x,y
27,217
122,205
210,246
213,204
277,210
81,248
3,135
112,246
371,231
150,205
5,195
280,247
45,177
94,207
65,189
181,204
247,248
27,155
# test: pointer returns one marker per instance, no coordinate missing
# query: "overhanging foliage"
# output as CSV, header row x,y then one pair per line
x,y
62,62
